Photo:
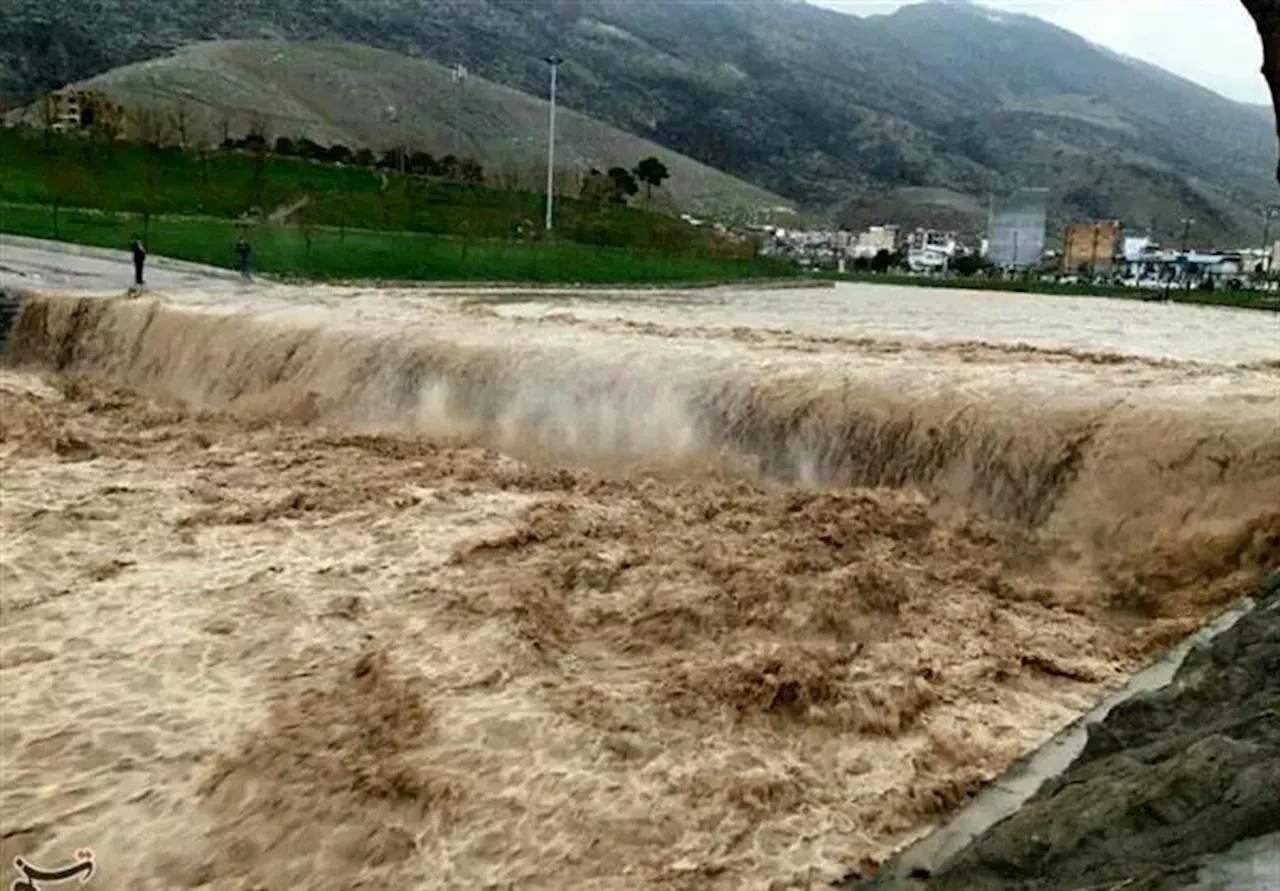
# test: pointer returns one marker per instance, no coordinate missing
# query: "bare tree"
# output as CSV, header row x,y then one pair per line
x,y
150,126
67,186
180,120
108,120
202,150
47,109
257,140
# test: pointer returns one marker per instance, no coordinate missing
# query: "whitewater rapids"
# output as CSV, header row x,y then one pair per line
x,y
445,588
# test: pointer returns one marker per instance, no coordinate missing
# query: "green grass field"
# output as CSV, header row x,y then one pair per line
x,y
357,254
51,169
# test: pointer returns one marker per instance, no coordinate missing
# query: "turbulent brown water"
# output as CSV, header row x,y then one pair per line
x,y
585,594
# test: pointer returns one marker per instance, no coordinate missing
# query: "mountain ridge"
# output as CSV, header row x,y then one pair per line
x,y
820,107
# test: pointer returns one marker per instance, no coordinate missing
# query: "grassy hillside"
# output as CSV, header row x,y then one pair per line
x,y
49,170
805,102
363,97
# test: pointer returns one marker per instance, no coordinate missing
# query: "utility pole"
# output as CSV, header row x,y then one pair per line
x,y
1187,223
1267,214
555,62
1093,255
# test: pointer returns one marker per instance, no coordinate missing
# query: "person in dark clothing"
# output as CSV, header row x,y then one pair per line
x,y
139,260
243,252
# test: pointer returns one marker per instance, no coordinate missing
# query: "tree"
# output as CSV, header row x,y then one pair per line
x,y
364,158
257,142
48,111
338,154
624,184
421,163
106,120
882,261
307,148
471,172
969,265
286,146
651,172
66,186
254,142
150,126
596,187
180,119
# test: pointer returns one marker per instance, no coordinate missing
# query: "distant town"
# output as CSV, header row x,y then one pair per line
x,y
1093,252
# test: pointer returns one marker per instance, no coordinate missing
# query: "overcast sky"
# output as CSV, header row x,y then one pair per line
x,y
1212,42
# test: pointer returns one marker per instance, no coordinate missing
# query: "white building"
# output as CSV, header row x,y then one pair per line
x,y
1157,268
807,247
1135,248
872,241
931,251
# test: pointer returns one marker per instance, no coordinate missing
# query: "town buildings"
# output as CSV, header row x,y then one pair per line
x,y
1097,251
872,241
1091,248
73,111
929,250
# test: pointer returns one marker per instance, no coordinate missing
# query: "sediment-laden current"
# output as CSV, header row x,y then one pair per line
x,y
689,589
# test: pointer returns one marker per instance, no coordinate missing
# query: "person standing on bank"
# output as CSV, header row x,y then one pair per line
x,y
139,260
243,252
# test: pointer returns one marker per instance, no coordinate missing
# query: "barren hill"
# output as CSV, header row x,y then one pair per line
x,y
364,97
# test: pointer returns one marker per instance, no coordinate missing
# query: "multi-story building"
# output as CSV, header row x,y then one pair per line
x,y
872,241
70,111
929,250
1092,247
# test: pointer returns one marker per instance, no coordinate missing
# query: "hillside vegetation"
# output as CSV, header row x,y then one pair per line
x,y
335,221
142,179
817,106
363,97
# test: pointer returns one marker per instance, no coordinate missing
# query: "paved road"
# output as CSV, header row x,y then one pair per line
x,y
52,265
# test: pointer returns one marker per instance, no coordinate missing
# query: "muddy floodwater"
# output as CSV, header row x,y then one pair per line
x,y
426,588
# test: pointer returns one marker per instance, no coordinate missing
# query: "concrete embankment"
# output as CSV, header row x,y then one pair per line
x,y
1174,789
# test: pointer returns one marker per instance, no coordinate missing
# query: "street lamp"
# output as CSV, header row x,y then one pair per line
x,y
393,115
555,62
1267,214
1183,263
458,75
1187,223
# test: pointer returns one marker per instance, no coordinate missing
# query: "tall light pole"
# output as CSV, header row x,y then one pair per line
x,y
1187,223
1267,214
393,114
555,62
458,74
